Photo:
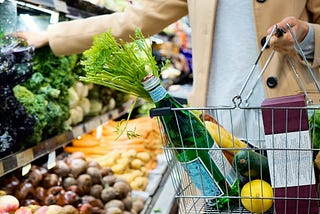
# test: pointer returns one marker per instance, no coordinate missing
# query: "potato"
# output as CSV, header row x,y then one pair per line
x,y
69,209
96,191
95,174
84,182
78,166
113,210
136,163
137,205
144,156
122,189
114,203
119,168
108,194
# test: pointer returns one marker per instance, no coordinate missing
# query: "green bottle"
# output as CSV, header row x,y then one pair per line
x,y
208,169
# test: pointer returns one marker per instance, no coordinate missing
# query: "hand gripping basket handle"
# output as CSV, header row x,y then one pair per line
x,y
237,100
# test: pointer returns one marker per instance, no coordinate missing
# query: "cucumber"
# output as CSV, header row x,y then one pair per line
x,y
251,165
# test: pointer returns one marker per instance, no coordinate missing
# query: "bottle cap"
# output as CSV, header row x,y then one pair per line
x,y
150,82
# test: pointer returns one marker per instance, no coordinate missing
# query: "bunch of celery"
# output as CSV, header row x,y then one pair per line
x,y
120,65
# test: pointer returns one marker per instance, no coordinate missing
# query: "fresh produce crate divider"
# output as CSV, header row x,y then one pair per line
x,y
20,159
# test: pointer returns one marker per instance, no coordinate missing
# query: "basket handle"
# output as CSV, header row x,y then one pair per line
x,y
237,100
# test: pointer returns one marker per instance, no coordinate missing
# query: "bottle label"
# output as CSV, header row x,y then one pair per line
x,y
202,178
223,165
158,93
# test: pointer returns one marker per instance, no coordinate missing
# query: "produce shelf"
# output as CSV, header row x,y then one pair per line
x,y
23,158
80,9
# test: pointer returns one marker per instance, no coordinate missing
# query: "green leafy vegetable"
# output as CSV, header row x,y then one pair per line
x,y
36,105
45,94
119,65
314,125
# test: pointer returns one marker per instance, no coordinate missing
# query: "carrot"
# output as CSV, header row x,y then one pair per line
x,y
87,142
151,164
104,150
122,142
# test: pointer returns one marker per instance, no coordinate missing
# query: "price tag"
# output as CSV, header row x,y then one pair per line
x,y
51,160
99,132
77,131
91,125
1,168
25,170
24,157
60,6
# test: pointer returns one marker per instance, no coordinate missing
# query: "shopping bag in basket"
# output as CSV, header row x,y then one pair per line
x,y
290,156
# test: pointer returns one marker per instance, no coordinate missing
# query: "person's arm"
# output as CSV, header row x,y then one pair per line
x,y
75,36
307,44
302,30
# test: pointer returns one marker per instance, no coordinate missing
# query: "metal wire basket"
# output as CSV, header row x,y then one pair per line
x,y
289,155
286,134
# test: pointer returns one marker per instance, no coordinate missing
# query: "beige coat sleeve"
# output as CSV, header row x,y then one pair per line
x,y
151,16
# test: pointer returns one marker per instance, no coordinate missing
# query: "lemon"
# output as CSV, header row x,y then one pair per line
x,y
256,196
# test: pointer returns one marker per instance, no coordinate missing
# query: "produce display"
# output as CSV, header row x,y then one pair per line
x,y
104,99
74,185
78,102
45,94
129,157
103,168
16,123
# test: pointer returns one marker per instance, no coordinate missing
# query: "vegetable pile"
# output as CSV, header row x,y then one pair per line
x,y
130,158
74,185
15,67
79,102
45,94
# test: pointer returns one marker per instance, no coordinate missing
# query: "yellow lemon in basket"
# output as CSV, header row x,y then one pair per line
x,y
256,196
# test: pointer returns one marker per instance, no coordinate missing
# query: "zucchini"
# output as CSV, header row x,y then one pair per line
x,y
251,165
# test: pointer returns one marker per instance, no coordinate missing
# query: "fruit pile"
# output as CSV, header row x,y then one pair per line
x,y
74,185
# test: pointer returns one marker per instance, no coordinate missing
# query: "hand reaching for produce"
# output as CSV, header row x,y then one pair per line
x,y
37,39
284,42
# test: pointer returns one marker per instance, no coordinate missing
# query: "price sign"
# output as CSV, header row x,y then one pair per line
x,y
1,168
60,6
77,130
25,170
99,130
51,160
24,157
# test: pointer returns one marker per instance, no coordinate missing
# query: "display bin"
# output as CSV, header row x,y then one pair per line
x,y
286,134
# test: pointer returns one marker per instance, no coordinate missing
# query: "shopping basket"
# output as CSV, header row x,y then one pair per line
x,y
284,131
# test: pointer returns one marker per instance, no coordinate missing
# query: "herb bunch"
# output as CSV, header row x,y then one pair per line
x,y
120,65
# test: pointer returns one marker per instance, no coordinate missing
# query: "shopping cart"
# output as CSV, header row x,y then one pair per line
x,y
283,130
